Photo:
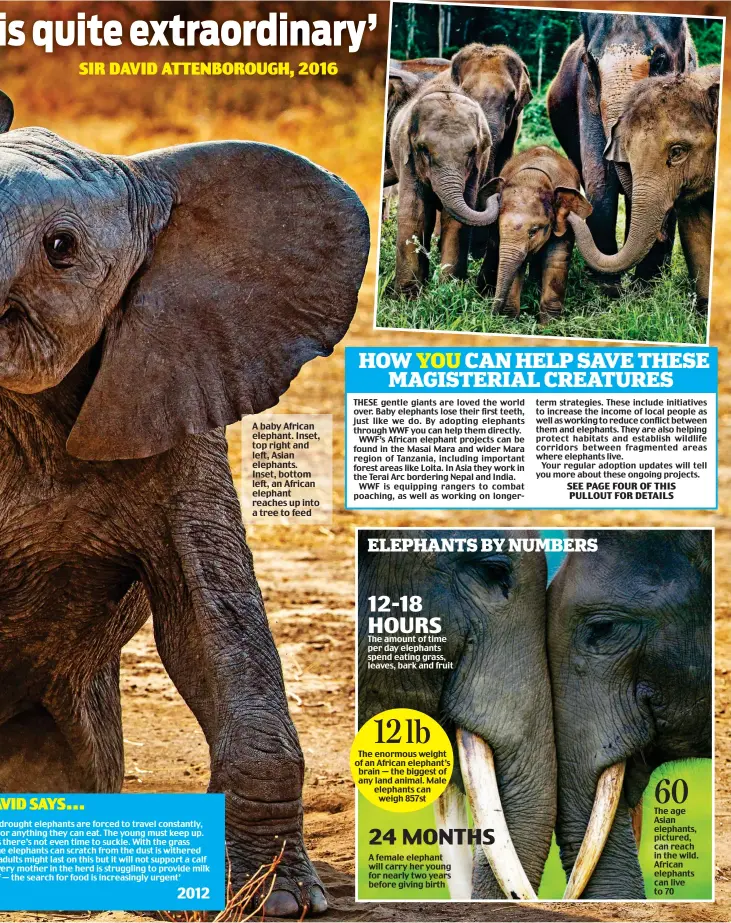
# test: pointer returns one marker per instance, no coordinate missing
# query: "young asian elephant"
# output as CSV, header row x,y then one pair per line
x,y
495,703
629,645
496,77
588,95
147,302
539,190
665,144
440,146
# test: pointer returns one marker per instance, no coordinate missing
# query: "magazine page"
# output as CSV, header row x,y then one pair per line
x,y
363,482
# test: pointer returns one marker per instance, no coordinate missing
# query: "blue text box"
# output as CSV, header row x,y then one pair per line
x,y
112,852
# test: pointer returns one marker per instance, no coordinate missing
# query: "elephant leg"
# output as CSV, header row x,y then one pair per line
x,y
412,246
214,640
660,254
454,244
556,258
487,279
696,231
71,740
72,743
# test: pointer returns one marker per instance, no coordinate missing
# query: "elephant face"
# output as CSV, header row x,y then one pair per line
x,y
448,141
498,79
622,49
664,148
630,655
494,700
198,294
448,136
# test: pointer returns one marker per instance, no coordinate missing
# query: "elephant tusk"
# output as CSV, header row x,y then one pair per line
x,y
451,814
478,771
606,800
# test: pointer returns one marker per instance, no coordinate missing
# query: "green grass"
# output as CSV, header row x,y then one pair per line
x,y
663,312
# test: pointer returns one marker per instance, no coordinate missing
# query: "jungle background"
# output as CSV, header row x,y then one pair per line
x,y
662,313
307,572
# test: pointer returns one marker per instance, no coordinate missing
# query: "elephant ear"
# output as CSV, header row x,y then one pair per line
x,y
493,186
525,93
714,90
256,272
566,200
615,150
6,113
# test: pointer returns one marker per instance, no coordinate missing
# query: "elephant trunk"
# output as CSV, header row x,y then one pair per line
x,y
649,207
449,186
621,66
512,259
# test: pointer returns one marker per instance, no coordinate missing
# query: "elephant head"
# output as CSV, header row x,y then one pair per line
x,y
494,701
629,643
666,143
621,49
497,78
206,274
531,211
449,141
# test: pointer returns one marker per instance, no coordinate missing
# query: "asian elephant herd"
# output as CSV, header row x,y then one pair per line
x,y
634,115
562,699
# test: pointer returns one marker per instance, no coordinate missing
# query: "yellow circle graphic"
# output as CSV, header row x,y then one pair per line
x,y
401,760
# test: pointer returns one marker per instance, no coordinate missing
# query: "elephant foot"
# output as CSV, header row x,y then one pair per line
x,y
507,311
296,890
411,291
609,285
547,316
701,306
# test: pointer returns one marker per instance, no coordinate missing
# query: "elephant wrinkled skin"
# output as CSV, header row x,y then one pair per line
x,y
491,605
147,302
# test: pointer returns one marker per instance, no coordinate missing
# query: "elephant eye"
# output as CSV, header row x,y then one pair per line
x,y
60,248
677,154
608,634
658,62
534,230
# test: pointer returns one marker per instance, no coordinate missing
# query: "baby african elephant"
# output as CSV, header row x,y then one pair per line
x,y
147,302
539,188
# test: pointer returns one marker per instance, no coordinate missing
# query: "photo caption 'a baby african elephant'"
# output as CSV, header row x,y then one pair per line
x,y
148,302
495,707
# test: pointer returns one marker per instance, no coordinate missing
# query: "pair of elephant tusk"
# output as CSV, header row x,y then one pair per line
x,y
606,800
480,780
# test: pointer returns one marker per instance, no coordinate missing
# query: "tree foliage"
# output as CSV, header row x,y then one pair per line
x,y
539,36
